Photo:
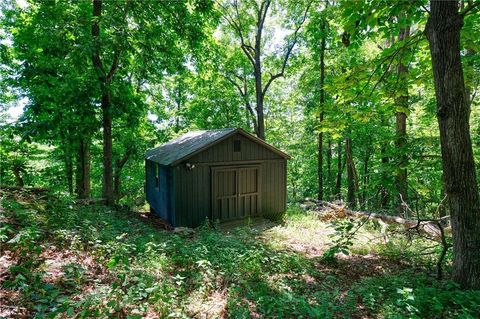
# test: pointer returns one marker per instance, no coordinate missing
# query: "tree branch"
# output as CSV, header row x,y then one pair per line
x,y
471,7
246,48
97,14
114,65
239,88
288,53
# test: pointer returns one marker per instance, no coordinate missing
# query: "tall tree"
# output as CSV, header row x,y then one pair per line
x,y
127,42
252,43
105,77
401,124
443,33
53,76
338,180
323,41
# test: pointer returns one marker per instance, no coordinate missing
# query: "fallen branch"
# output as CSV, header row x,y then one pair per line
x,y
426,227
430,229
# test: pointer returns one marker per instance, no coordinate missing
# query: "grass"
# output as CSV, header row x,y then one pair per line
x,y
64,260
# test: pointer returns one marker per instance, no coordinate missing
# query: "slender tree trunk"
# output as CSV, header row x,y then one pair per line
x,y
365,176
105,79
443,33
401,129
320,162
251,116
179,107
257,72
68,166
250,113
83,169
86,169
259,99
253,53
107,149
329,169
338,183
321,113
384,193
119,165
17,172
350,173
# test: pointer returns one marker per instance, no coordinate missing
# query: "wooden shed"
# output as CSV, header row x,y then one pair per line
x,y
223,174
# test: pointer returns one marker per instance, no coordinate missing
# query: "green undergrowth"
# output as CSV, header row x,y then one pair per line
x,y
90,261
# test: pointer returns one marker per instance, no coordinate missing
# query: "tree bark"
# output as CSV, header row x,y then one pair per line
x,y
18,175
351,179
443,34
68,166
243,90
105,81
329,169
365,176
259,98
338,183
320,162
384,193
178,101
257,68
107,189
119,164
83,169
321,113
401,129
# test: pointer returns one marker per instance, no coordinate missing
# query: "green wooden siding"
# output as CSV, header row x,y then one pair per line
x,y
193,188
223,152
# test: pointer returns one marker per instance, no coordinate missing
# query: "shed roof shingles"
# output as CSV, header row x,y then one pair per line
x,y
185,145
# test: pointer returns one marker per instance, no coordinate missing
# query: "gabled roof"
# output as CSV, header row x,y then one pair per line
x,y
191,143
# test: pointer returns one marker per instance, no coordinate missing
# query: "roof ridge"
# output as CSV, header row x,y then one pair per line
x,y
192,142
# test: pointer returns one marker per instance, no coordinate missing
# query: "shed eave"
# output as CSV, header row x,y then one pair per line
x,y
238,130
171,163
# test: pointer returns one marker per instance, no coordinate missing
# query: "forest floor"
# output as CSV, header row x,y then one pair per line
x,y
62,259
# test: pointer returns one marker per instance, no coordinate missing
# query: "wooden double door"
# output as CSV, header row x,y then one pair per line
x,y
235,192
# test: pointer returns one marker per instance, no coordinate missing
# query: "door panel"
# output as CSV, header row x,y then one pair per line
x,y
235,192
248,191
225,192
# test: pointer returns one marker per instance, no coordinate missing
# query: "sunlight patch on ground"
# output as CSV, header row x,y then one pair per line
x,y
214,306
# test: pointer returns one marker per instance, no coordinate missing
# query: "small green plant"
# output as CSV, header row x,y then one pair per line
x,y
343,237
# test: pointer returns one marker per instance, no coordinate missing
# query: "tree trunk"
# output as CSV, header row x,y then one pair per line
x,y
329,169
250,113
259,100
350,173
384,193
83,169
18,176
107,150
119,164
105,79
321,113
68,166
86,169
320,163
401,129
365,176
338,183
253,53
178,101
443,33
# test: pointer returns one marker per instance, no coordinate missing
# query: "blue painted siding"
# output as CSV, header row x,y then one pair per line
x,y
159,197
